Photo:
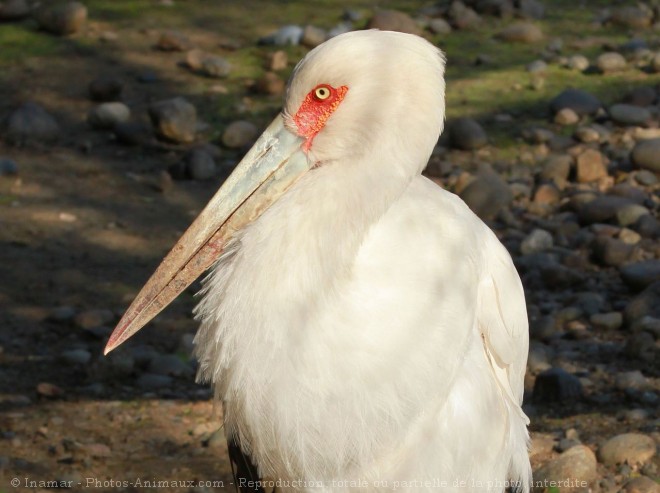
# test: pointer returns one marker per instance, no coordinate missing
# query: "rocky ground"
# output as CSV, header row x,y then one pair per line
x,y
120,119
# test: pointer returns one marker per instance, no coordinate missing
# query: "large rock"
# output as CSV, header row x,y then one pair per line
x,y
393,20
579,101
646,154
573,470
629,448
174,119
30,123
487,194
62,19
521,32
467,134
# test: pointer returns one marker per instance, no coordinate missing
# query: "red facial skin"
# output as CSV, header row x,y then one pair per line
x,y
315,111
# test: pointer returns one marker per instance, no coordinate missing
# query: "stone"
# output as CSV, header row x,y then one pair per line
x,y
132,133
467,134
313,36
645,304
284,36
89,319
12,10
648,227
587,134
607,321
629,236
341,28
655,63
611,252
630,213
8,167
635,17
149,381
537,66
487,194
173,41
547,194
579,101
631,380
198,164
239,134
169,364
566,116
646,178
556,169
62,19
463,17
601,209
590,166
174,120
207,64
270,83
105,89
30,123
531,9
577,465
611,62
439,26
640,346
628,114
646,155
393,20
107,115
278,60
521,32
628,448
556,386
538,240
641,96
641,484
578,62
640,275
76,357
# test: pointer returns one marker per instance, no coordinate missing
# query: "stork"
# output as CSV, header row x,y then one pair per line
x,y
363,329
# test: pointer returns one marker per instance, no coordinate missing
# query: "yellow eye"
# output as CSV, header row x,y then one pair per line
x,y
322,92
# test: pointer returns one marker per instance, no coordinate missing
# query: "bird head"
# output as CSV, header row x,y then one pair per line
x,y
352,101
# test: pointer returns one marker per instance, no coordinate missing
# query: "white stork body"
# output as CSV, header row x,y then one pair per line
x,y
363,327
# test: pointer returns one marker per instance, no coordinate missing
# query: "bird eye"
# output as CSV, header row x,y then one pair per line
x,y
322,93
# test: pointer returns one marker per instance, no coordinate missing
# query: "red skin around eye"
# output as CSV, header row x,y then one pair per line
x,y
314,112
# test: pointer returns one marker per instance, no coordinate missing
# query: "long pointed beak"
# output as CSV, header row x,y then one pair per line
x,y
273,164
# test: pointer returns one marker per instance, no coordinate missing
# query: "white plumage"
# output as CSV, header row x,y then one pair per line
x,y
368,326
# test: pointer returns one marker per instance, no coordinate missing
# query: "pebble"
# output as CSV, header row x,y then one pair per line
x,y
630,214
8,167
487,194
313,36
341,28
640,346
105,89
590,166
629,236
611,62
239,134
467,134
463,17
631,380
30,123
566,117
521,32
641,484
547,194
132,133
531,9
12,10
276,61
62,19
556,169
169,364
632,16
612,252
646,155
645,304
284,36
149,381
93,318
578,463
556,386
628,114
640,275
579,101
578,62
439,26
197,164
270,83
628,448
601,209
393,20
607,321
107,115
646,178
538,240
76,357
641,96
207,64
173,41
537,66
174,119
